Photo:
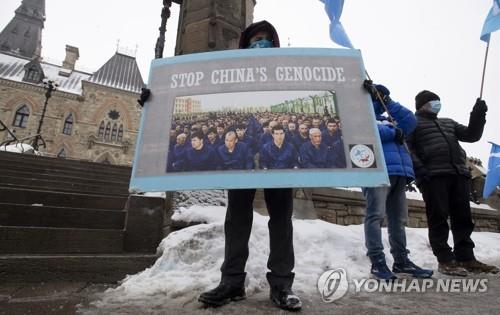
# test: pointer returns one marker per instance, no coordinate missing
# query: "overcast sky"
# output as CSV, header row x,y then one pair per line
x,y
408,45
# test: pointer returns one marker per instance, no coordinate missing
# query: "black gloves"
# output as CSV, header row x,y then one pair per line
x,y
145,93
480,106
375,89
399,136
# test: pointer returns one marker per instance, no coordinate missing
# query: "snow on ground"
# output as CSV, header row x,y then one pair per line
x,y
191,257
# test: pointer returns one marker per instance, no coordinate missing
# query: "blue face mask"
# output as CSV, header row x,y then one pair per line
x,y
263,43
435,106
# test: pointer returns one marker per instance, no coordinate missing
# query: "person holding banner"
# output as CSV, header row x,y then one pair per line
x,y
390,200
443,178
239,217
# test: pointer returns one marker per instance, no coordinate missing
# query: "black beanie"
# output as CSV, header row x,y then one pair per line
x,y
423,97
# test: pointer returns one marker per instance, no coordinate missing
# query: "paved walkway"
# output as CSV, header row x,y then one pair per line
x,y
63,298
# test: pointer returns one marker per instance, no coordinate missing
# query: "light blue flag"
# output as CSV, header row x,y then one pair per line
x,y
337,33
492,22
493,175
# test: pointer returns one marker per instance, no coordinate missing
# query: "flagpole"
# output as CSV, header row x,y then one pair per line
x,y
484,69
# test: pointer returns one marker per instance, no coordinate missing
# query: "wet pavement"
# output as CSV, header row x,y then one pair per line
x,y
78,297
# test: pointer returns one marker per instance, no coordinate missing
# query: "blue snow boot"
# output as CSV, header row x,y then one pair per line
x,y
408,267
380,271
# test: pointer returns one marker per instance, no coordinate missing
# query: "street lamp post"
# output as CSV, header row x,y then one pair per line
x,y
49,86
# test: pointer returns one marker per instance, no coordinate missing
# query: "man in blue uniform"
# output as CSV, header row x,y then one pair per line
x,y
234,155
212,140
278,154
177,154
302,137
200,157
315,154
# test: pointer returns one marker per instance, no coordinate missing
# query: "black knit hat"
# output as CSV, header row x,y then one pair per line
x,y
254,28
423,97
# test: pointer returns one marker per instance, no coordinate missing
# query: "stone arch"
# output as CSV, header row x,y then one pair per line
x,y
60,143
109,105
106,156
18,101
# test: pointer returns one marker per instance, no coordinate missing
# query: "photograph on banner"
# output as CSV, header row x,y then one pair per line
x,y
247,130
258,119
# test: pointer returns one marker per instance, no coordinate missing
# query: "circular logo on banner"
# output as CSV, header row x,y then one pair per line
x,y
333,284
362,156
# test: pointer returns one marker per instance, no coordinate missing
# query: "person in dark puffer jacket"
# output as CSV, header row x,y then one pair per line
x,y
390,200
443,178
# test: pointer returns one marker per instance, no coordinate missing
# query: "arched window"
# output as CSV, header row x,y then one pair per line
x,y
100,135
62,154
21,118
68,125
120,134
113,132
108,131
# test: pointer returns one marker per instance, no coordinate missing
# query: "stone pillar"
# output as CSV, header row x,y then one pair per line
x,y
210,25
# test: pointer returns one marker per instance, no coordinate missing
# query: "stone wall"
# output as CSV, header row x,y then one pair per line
x,y
347,207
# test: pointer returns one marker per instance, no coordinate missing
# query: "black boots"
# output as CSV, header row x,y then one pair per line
x,y
285,299
222,294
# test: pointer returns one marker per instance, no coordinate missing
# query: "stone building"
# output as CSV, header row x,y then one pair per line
x,y
91,116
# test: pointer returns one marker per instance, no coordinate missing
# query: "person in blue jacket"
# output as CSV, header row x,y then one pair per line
x,y
278,154
301,137
177,154
234,155
200,157
315,154
390,200
241,133
212,140
332,133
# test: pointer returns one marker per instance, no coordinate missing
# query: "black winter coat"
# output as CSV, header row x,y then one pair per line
x,y
434,144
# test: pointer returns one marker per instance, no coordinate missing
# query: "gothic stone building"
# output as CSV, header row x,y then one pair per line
x,y
91,116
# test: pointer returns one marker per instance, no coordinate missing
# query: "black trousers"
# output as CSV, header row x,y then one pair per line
x,y
448,196
237,228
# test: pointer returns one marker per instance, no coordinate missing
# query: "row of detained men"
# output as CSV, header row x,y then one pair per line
x,y
198,155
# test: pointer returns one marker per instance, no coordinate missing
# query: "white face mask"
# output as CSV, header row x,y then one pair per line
x,y
435,106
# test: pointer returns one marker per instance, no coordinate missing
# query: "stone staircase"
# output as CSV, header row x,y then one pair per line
x,y
73,220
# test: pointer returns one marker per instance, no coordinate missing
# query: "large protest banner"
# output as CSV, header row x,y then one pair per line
x,y
258,118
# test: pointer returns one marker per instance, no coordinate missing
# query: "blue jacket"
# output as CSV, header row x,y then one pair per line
x,y
176,158
397,158
250,142
312,157
298,141
272,157
201,160
217,143
264,139
328,139
240,159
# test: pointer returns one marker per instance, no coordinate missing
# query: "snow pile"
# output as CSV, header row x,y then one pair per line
x,y
191,258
